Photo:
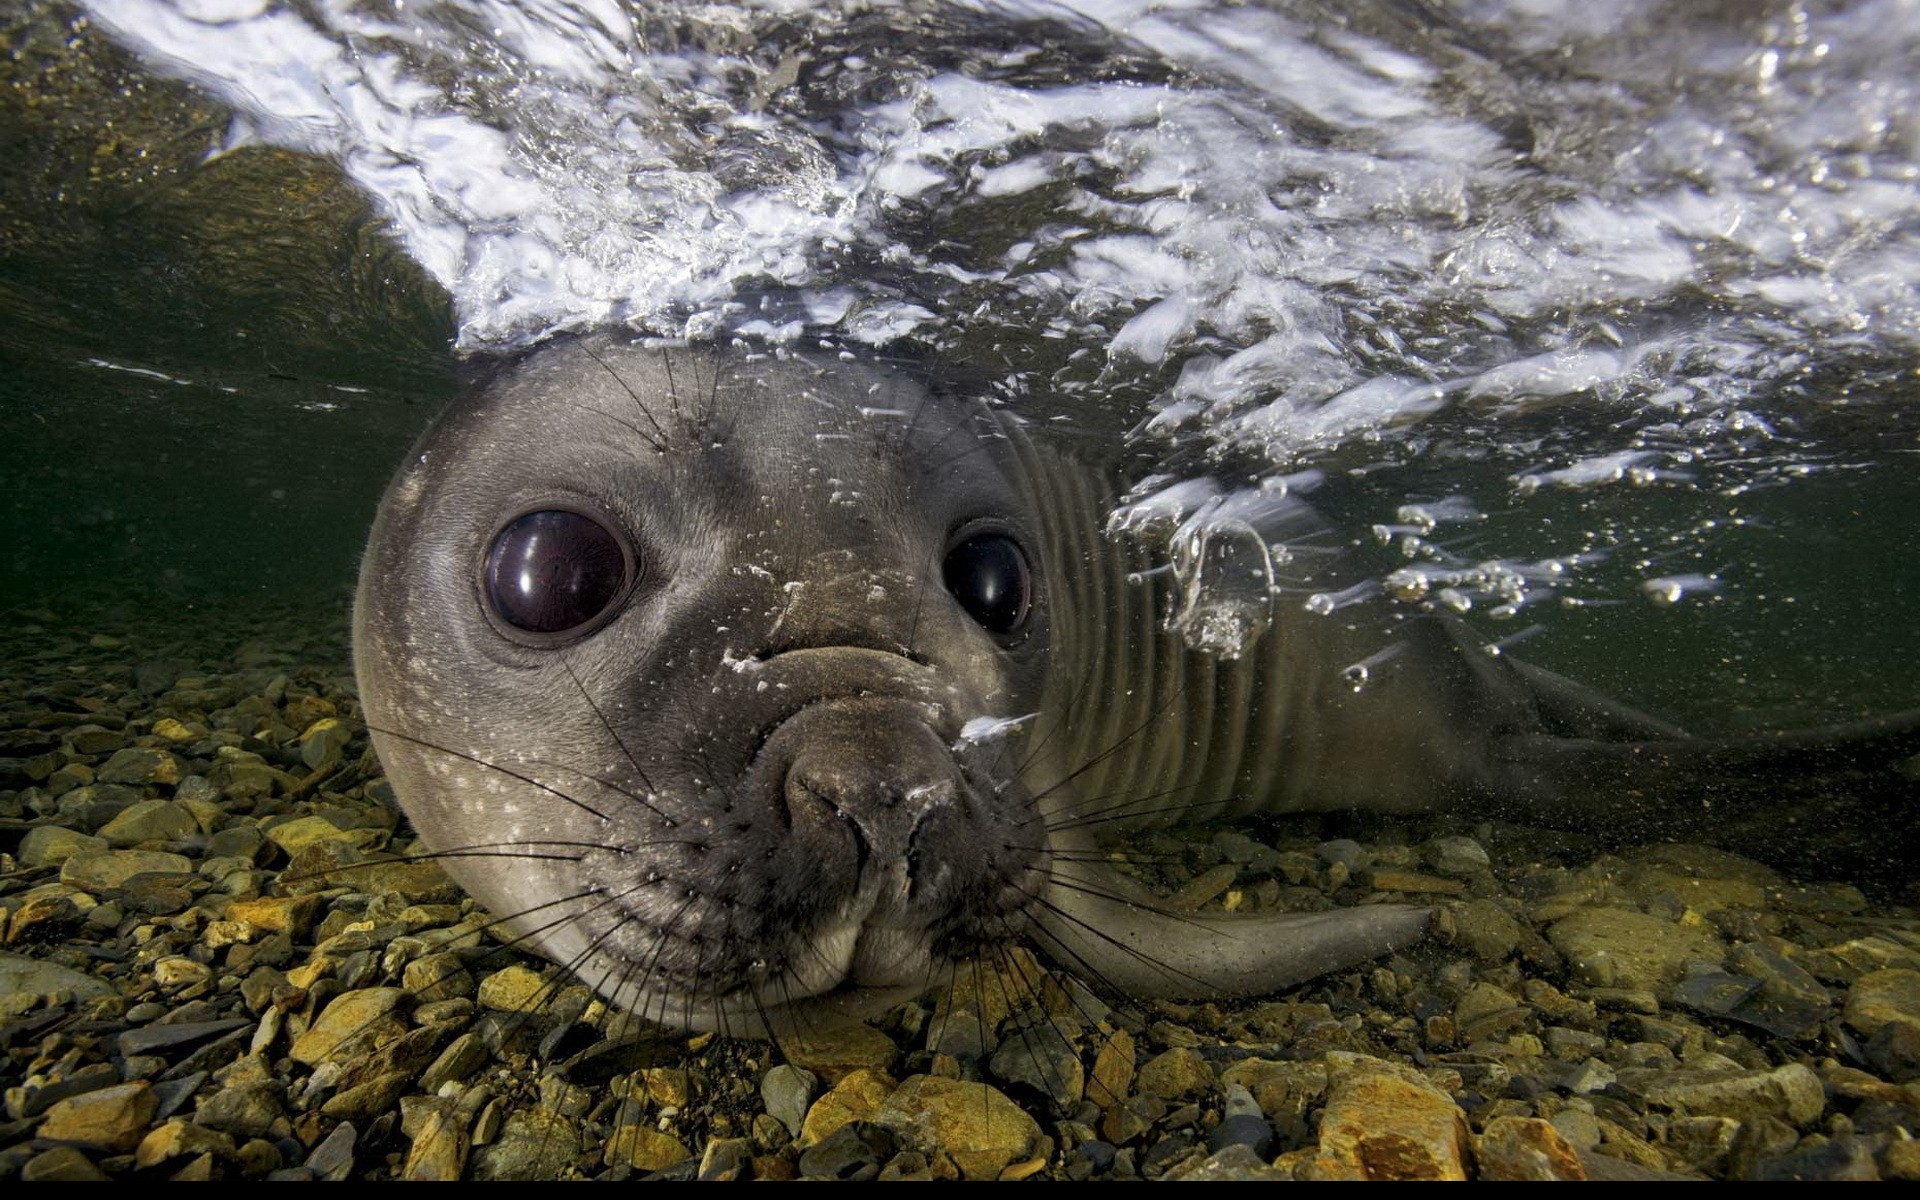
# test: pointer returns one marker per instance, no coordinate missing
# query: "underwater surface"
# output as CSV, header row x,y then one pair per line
x,y
1600,322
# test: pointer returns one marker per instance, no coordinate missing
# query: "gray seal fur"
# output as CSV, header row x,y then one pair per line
x,y
751,795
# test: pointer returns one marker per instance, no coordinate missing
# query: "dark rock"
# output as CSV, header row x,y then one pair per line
x,y
155,1038
1843,1158
853,1152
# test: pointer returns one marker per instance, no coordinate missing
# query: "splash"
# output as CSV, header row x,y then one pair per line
x,y
1312,240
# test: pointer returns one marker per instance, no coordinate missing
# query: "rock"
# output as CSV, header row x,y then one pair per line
x,y
1880,997
1177,1074
155,1038
515,989
1842,1158
644,1148
725,1160
1347,852
364,1101
1394,880
353,1023
1234,1163
296,835
323,742
48,916
23,976
292,915
92,739
245,1110
1614,947
1792,1092
1461,856
463,1056
1486,931
1789,1001
1241,1124
1281,1089
179,1138
438,977
439,1149
112,1118
62,1164
856,1098
974,1125
1525,1148
833,1054
852,1154
1112,1076
785,1093
1039,1057
1382,1124
1196,892
52,845
139,765
112,869
332,1160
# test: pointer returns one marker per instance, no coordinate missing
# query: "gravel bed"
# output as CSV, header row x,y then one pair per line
x,y
218,962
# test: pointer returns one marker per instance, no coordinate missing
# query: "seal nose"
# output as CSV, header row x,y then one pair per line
x,y
866,799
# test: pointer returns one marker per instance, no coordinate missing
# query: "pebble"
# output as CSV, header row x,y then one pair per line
x,y
972,1124
1381,1123
833,1054
1620,948
1176,1074
856,1098
112,1118
1525,1148
785,1093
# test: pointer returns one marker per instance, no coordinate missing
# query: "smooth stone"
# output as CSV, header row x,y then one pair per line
x,y
111,1118
785,1093
644,1148
352,1023
180,1139
332,1160
974,1125
1176,1074
62,1164
1525,1148
1382,1124
245,1110
53,845
1040,1057
515,989
855,1098
833,1054
112,869
1618,948
140,765
1884,996
1455,855
154,1038
1792,1092
1112,1076
20,975
853,1153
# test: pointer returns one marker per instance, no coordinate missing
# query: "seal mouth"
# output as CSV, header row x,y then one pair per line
x,y
867,844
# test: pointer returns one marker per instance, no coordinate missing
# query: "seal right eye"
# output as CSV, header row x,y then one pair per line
x,y
553,571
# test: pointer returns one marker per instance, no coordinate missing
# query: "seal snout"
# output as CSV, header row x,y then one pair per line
x,y
873,791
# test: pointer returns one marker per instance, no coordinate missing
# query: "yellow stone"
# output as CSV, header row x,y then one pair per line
x,y
644,1148
515,989
855,1098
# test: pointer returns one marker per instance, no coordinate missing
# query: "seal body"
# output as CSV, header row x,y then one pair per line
x,y
755,691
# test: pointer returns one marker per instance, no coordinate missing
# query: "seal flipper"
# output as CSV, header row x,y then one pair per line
x,y
1094,921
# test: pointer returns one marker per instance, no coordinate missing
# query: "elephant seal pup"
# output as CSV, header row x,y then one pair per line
x,y
757,691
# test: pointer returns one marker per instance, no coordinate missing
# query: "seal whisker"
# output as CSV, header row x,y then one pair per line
x,y
665,439
611,731
1117,746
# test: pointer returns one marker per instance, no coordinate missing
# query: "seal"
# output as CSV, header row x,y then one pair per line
x,y
757,690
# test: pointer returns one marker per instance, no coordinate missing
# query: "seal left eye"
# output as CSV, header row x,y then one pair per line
x,y
989,576
554,570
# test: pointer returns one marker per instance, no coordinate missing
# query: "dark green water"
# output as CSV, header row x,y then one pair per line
x,y
210,365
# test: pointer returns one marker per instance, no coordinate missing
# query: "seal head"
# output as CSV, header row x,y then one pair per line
x,y
683,671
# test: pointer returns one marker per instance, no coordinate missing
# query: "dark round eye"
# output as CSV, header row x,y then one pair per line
x,y
554,570
989,576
